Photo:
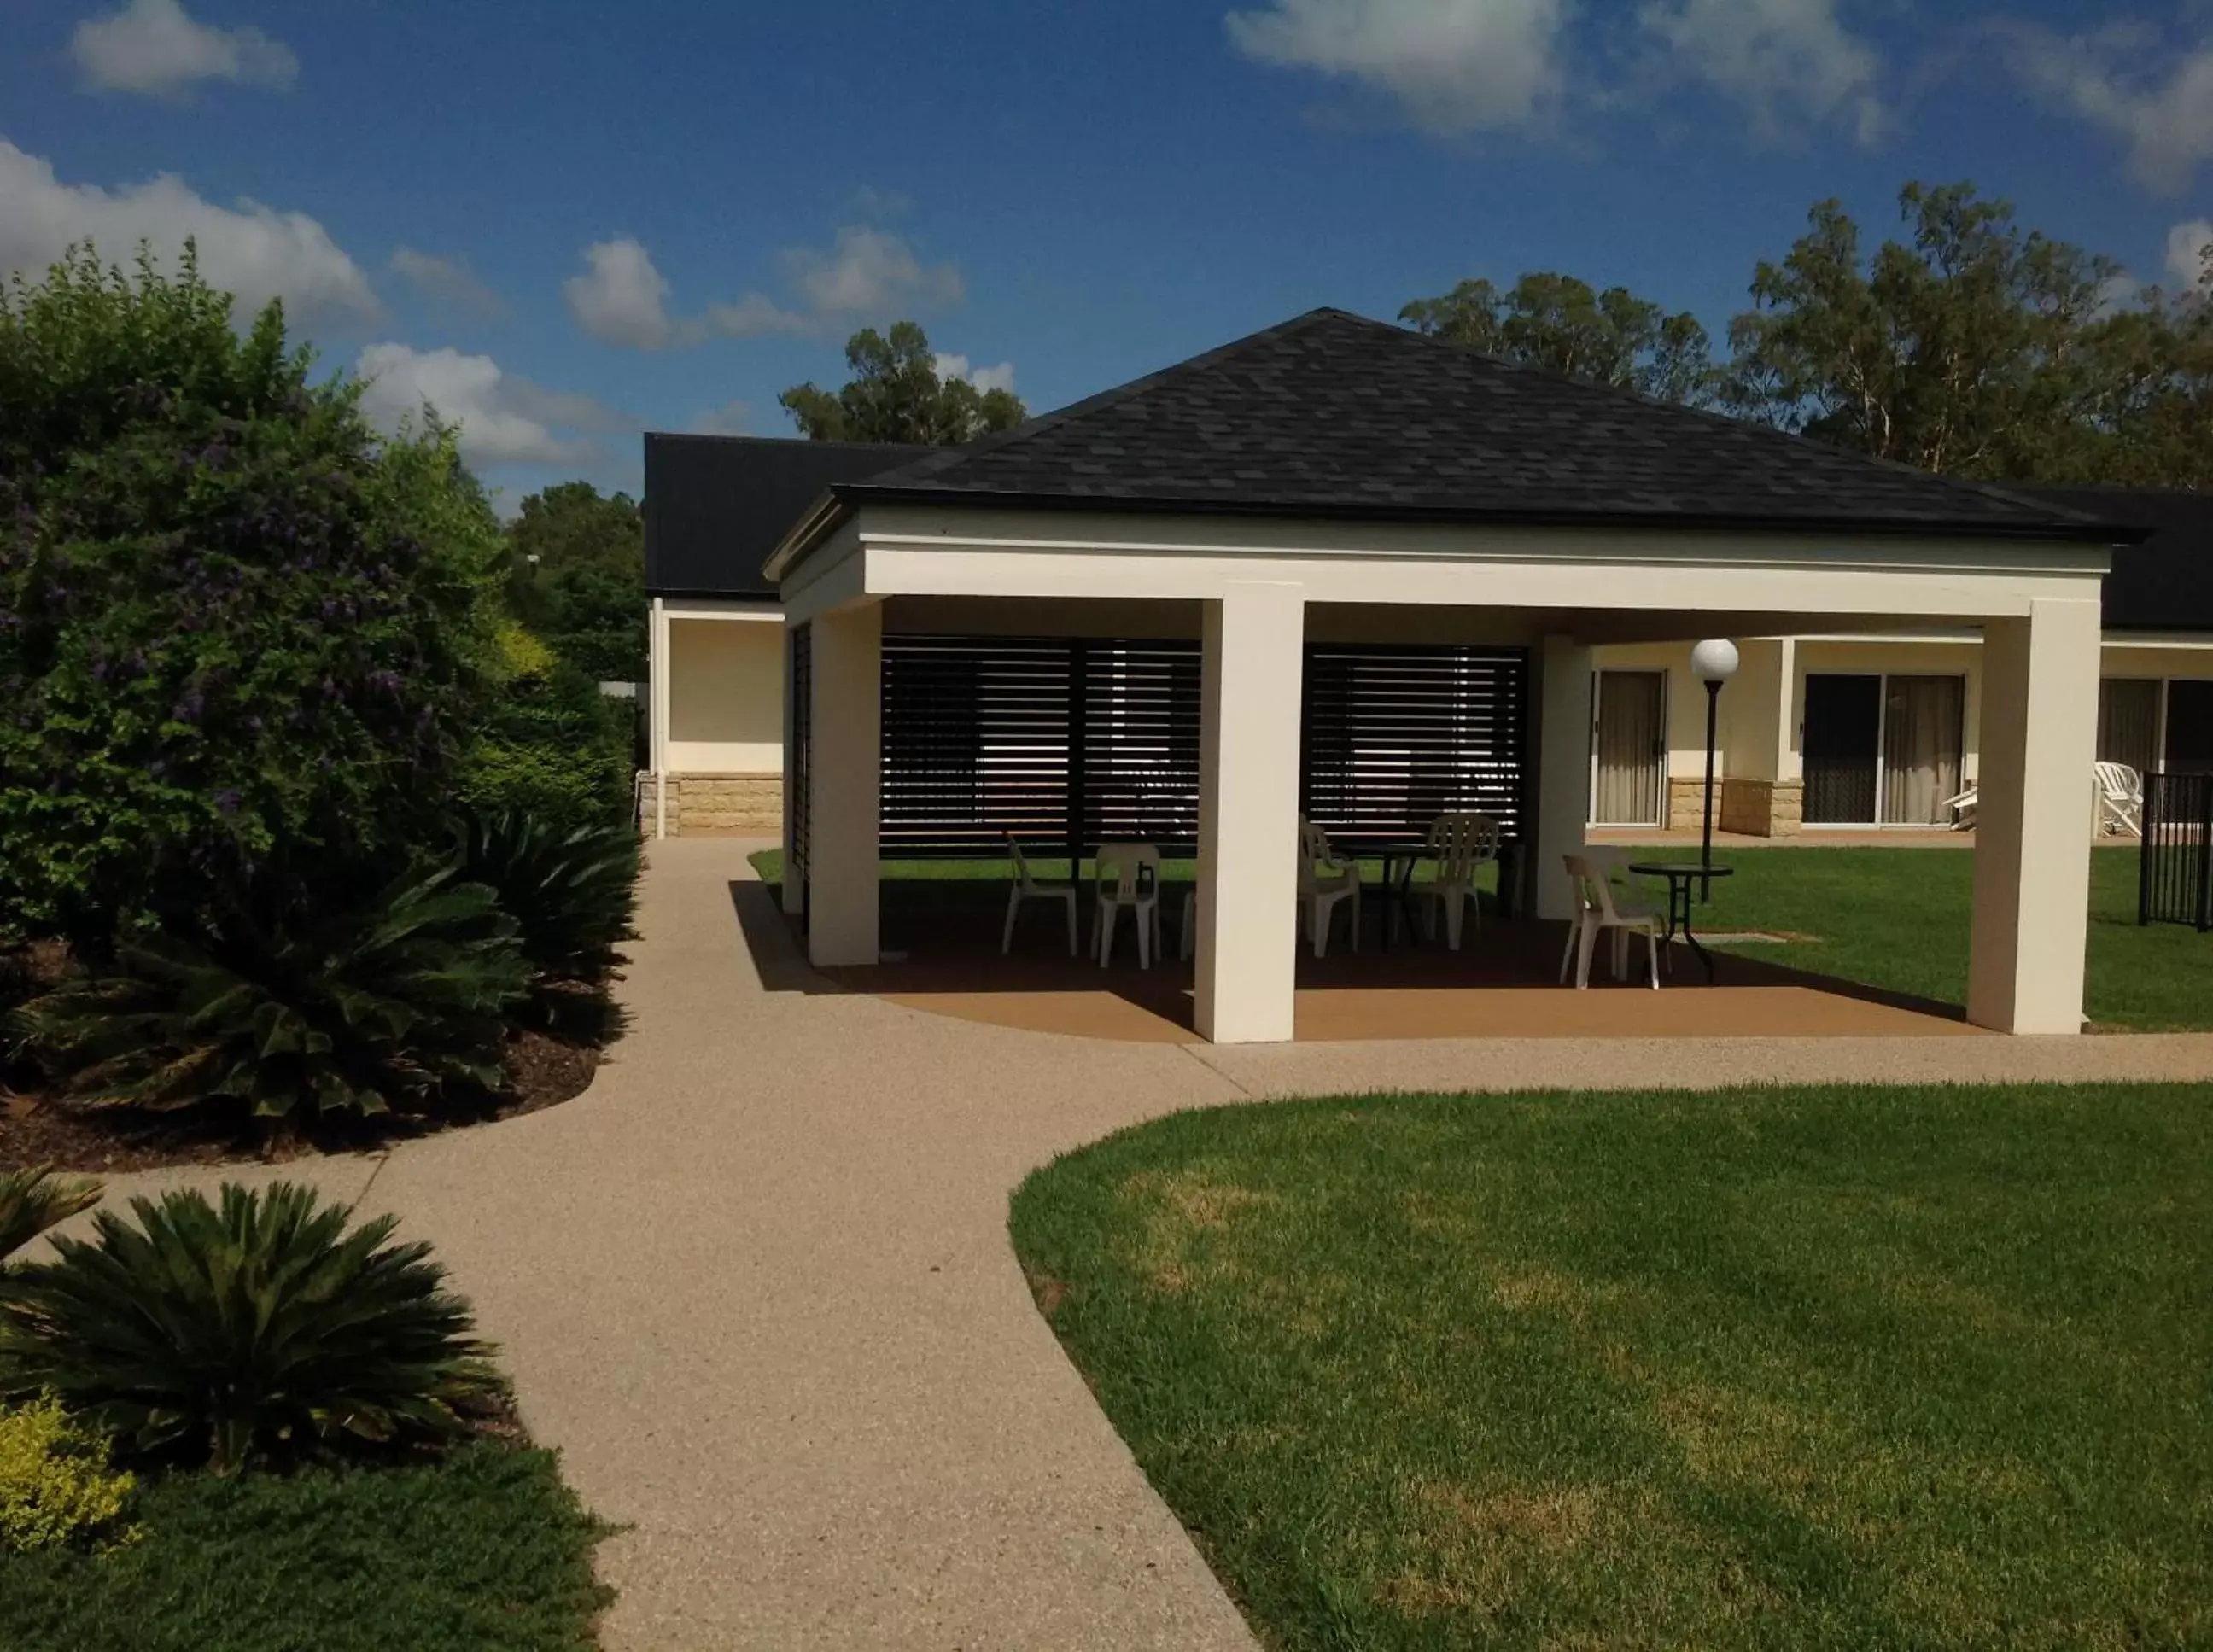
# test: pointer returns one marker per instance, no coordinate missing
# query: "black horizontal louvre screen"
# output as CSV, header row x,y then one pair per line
x,y
1070,743
975,742
1394,736
1139,744
801,803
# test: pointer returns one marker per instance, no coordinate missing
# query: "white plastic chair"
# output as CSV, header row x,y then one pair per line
x,y
1136,884
1320,891
1460,843
1027,888
1601,906
1962,809
2120,798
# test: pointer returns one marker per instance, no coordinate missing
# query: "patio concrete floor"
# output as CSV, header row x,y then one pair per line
x,y
1503,984
755,1284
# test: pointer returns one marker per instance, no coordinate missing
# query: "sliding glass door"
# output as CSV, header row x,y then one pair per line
x,y
1882,751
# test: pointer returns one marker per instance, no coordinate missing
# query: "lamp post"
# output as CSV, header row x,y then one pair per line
x,y
1712,662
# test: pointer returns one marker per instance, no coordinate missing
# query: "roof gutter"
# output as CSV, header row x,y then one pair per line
x,y
799,540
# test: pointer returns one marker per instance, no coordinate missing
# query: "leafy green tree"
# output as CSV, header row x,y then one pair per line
x,y
1563,325
895,394
576,576
2148,421
242,637
1966,348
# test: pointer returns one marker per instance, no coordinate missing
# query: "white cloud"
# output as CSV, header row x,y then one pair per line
x,y
731,418
250,250
444,281
152,46
872,202
504,418
868,270
1001,377
751,316
2187,245
1789,63
2113,79
621,299
1454,65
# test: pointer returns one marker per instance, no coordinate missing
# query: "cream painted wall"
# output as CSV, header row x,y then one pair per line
x,y
1752,699
2136,660
1685,704
726,697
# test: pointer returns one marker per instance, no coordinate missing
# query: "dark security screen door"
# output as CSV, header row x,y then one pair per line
x,y
2190,726
1843,746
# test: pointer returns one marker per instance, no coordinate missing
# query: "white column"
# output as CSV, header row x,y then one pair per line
x,y
1248,807
1564,757
2039,734
793,892
656,690
845,755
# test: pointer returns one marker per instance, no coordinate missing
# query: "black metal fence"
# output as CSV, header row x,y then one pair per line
x,y
2175,878
1076,741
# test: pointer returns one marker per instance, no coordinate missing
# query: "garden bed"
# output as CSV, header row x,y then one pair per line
x,y
545,1071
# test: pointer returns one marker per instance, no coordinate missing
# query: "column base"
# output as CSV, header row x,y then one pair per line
x,y
727,805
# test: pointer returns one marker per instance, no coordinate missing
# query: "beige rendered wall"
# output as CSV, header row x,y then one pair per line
x,y
726,697
2139,660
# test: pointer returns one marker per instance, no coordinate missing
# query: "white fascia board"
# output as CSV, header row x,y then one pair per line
x,y
986,553
724,608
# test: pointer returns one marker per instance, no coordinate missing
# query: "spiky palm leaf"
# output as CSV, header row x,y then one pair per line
x,y
394,1003
570,893
264,1332
33,1200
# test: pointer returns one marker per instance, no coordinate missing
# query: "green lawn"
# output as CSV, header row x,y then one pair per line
x,y
486,1552
1845,1369
1890,917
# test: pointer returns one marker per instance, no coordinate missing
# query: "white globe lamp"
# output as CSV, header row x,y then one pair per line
x,y
1713,662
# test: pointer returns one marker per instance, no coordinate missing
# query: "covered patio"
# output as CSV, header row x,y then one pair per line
x,y
1341,570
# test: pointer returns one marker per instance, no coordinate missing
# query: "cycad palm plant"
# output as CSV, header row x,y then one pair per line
x,y
571,891
263,1331
33,1200
308,1004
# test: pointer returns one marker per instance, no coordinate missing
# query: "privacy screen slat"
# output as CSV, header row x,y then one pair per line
x,y
1071,743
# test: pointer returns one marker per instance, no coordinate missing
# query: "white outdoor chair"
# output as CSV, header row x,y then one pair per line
x,y
1962,809
1460,843
1027,888
1320,891
2120,798
1136,884
1601,903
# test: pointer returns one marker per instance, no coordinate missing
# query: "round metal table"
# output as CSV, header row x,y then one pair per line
x,y
1680,875
1399,860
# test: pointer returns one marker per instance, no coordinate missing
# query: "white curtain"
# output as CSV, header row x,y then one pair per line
x,y
1921,745
2128,721
1629,746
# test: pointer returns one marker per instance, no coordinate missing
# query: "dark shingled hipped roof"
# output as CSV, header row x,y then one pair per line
x,y
716,505
2165,583
1331,414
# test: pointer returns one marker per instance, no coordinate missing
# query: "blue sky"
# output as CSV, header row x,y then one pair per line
x,y
567,223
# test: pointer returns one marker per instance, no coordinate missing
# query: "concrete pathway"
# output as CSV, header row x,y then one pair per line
x,y
756,1284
